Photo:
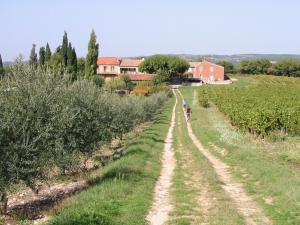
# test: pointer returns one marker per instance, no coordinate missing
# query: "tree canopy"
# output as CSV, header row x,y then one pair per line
x,y
258,66
228,66
167,66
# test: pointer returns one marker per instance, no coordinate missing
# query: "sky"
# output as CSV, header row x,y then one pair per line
x,y
146,27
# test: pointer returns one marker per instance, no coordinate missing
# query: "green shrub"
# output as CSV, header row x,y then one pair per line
x,y
203,98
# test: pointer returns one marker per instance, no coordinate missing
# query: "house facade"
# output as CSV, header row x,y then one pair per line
x,y
110,67
130,66
206,71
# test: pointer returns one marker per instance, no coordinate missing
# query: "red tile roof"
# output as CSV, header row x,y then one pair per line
x,y
108,61
130,62
140,77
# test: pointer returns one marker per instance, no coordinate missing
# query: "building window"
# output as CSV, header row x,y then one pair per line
x,y
104,68
112,68
212,69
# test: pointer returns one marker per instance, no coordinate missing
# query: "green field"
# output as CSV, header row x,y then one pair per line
x,y
268,169
269,106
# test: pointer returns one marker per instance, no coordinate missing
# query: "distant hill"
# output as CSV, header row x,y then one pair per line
x,y
235,59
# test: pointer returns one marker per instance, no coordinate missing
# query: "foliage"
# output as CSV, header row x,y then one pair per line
x,y
203,98
260,109
92,55
72,61
286,67
33,61
259,66
80,67
166,66
42,56
228,66
116,83
141,90
46,121
2,71
98,80
128,83
149,88
64,48
48,53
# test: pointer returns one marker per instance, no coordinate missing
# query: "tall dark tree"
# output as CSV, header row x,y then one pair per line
x,y
64,48
33,57
92,55
228,66
74,55
1,67
48,53
42,56
70,55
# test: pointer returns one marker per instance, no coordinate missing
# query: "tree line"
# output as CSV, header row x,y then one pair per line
x,y
63,60
284,67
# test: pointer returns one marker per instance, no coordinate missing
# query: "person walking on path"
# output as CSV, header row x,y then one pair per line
x,y
188,113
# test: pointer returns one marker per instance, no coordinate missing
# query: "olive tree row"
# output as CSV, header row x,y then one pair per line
x,y
46,120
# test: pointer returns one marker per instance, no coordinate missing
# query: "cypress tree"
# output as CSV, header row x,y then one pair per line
x,y
74,60
48,54
91,58
1,67
33,57
42,55
64,48
70,60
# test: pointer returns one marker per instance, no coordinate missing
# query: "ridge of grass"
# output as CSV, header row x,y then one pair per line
x,y
122,193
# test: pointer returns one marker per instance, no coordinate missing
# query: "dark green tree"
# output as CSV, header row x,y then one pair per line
x,y
2,72
164,66
70,58
286,67
33,57
48,54
258,66
80,67
91,58
72,61
228,66
42,55
64,48
74,55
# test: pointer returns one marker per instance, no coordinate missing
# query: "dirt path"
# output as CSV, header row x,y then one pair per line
x,y
161,206
245,204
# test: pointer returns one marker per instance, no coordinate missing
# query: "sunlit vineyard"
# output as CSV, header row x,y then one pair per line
x,y
272,105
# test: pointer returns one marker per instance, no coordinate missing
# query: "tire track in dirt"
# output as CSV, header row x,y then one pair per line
x,y
197,188
247,207
161,206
